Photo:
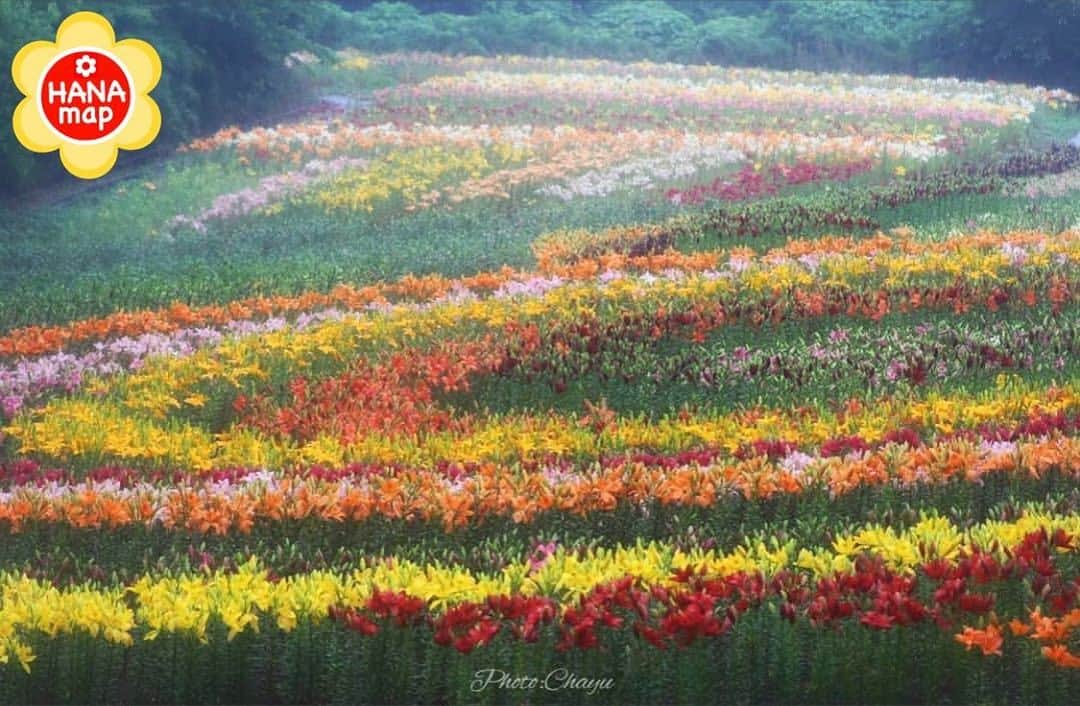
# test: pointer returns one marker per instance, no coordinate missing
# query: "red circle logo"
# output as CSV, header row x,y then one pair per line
x,y
85,95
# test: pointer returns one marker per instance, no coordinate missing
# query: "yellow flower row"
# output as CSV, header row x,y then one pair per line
x,y
736,96
96,431
187,603
410,176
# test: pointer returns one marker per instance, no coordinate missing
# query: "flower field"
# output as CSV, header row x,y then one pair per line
x,y
686,383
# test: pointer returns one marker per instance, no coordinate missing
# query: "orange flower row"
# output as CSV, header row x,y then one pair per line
x,y
37,340
568,252
491,490
1053,632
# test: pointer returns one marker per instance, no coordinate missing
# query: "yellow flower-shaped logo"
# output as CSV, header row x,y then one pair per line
x,y
86,95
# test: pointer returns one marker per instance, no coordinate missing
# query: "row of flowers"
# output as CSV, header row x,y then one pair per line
x,y
843,358
568,254
840,210
696,302
993,439
31,380
82,429
874,574
268,194
754,182
844,209
324,139
1048,186
646,173
407,180
459,495
845,103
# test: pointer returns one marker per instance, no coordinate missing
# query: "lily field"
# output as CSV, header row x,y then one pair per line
x,y
682,383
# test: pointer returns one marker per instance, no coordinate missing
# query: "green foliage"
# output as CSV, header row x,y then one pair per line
x,y
22,21
1018,40
862,36
1027,40
735,40
653,22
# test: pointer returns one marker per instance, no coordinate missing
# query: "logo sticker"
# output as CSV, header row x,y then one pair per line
x,y
86,95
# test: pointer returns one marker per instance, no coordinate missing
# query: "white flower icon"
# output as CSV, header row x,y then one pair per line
x,y
86,66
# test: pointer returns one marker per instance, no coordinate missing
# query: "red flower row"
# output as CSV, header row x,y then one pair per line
x,y
700,606
396,394
750,182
